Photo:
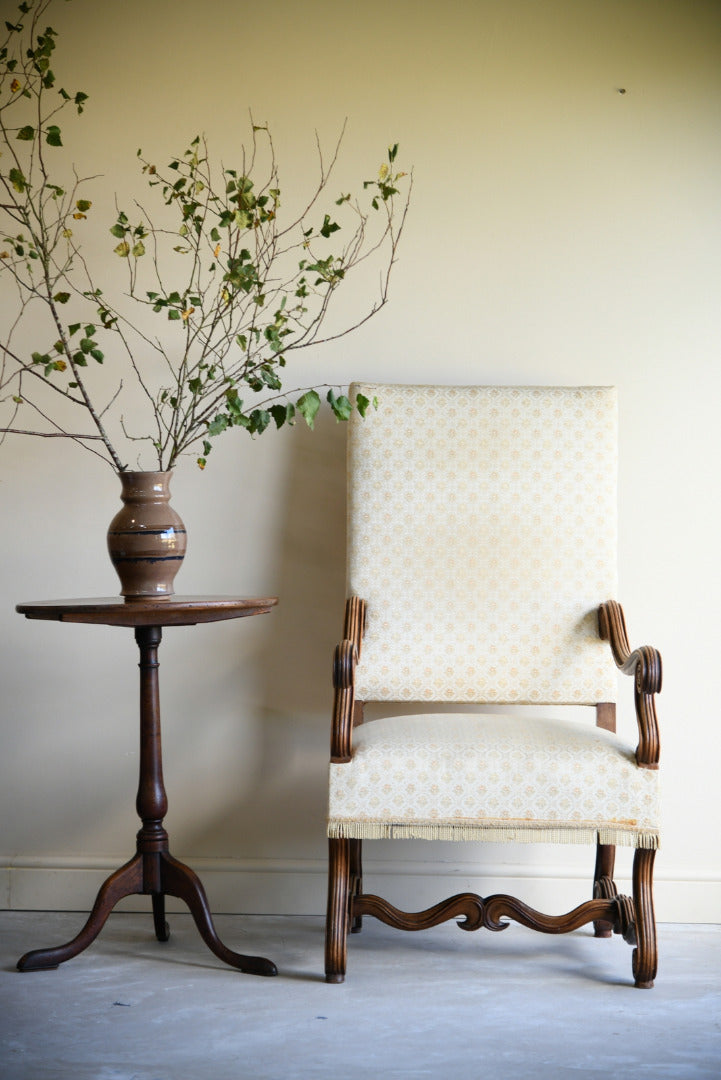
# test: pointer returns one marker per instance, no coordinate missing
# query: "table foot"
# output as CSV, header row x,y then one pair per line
x,y
124,882
162,930
179,880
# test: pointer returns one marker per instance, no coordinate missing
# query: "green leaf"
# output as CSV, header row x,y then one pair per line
x,y
173,314
17,180
308,406
259,420
97,355
27,133
282,414
73,328
215,427
328,227
53,136
362,403
84,205
341,406
118,230
235,405
61,297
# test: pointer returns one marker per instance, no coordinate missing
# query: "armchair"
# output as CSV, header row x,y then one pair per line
x,y
481,563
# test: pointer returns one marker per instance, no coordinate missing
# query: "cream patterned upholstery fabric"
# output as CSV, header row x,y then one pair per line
x,y
482,534
491,777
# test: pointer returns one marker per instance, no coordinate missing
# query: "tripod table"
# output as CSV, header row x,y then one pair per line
x,y
152,870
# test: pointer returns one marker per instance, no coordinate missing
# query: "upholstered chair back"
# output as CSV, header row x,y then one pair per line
x,y
482,534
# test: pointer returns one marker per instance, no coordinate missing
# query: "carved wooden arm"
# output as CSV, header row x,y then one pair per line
x,y
645,665
344,661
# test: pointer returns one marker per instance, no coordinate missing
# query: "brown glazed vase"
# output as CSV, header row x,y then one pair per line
x,y
146,538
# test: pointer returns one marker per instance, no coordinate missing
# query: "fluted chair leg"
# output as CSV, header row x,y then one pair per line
x,y
337,919
645,956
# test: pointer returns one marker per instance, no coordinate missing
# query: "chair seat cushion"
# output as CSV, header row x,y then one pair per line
x,y
472,776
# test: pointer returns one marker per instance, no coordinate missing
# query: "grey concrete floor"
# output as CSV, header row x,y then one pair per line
x,y
437,1004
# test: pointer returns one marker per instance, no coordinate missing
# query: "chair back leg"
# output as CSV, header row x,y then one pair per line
x,y
356,881
603,887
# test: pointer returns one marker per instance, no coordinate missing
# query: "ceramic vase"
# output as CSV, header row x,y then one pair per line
x,y
146,538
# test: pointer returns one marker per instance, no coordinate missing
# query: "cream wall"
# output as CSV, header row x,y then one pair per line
x,y
560,232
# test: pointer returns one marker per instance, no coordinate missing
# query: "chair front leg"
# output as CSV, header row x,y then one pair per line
x,y
645,955
338,912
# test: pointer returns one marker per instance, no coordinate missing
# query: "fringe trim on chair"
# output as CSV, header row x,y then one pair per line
x,y
541,834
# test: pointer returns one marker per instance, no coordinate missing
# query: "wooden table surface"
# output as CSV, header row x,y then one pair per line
x,y
175,611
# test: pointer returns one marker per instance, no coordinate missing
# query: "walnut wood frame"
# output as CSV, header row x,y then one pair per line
x,y
632,918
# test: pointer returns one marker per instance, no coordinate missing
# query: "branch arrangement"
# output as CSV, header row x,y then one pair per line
x,y
237,287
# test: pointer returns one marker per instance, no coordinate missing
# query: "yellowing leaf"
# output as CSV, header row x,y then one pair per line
x,y
185,315
123,249
383,172
14,86
60,365
77,216
216,252
4,254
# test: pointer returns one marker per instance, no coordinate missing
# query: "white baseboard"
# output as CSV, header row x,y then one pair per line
x,y
286,887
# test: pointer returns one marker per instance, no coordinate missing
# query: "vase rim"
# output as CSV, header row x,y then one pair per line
x,y
145,472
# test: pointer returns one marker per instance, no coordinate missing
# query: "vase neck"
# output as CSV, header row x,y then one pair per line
x,y
145,486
